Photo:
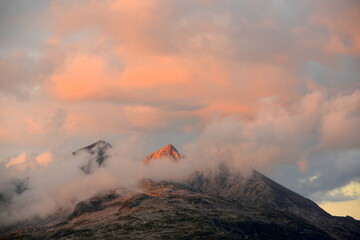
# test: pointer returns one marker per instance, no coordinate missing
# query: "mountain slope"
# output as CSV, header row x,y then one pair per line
x,y
256,190
259,191
166,210
211,204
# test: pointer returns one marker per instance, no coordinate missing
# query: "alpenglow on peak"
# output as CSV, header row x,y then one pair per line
x,y
169,151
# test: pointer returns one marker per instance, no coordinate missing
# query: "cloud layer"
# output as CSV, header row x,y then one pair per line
x,y
270,84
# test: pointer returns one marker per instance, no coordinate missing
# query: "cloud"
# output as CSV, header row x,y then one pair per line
x,y
18,75
44,158
254,83
337,170
302,134
344,36
277,134
21,159
22,24
198,59
26,160
150,70
343,199
351,190
56,182
59,118
341,122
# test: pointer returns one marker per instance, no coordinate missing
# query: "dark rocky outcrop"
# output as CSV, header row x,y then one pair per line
x,y
92,205
98,153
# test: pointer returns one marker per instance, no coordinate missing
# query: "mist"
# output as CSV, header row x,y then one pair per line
x,y
61,183
50,182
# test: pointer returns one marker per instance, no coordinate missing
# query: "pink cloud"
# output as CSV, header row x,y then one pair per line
x,y
26,161
231,74
154,64
281,135
341,123
341,20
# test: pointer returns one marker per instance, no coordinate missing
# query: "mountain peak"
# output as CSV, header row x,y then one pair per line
x,y
169,151
93,146
98,151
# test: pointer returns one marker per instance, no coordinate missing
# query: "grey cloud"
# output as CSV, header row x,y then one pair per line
x,y
21,24
58,119
281,137
334,170
18,75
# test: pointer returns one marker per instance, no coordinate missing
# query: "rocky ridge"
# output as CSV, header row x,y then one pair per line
x,y
210,204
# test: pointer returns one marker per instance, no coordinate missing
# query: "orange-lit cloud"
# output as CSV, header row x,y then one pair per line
x,y
262,83
344,34
149,64
25,160
44,158
341,123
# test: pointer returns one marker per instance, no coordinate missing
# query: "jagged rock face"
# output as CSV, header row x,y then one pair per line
x,y
169,151
98,155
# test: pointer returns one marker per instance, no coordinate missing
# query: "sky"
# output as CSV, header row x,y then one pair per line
x,y
273,85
